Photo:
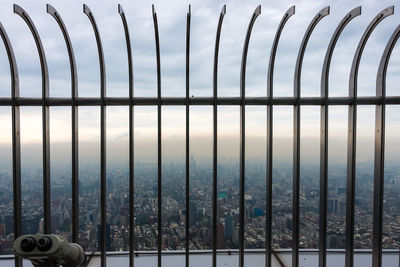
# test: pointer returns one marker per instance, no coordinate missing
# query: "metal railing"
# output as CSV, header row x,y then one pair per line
x,y
352,101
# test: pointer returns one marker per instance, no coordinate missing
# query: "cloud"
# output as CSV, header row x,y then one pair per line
x,y
172,26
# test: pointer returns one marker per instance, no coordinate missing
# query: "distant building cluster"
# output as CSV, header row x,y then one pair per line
x,y
200,207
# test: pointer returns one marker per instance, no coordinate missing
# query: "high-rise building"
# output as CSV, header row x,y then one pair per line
x,y
2,229
228,227
220,235
333,205
192,213
9,221
56,222
108,237
235,237
341,190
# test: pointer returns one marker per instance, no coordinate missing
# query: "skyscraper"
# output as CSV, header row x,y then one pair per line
x,y
9,221
228,227
220,235
108,237
192,213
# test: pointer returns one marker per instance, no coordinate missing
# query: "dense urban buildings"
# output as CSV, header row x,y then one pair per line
x,y
200,208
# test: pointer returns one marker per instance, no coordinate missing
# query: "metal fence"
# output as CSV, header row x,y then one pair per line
x,y
352,101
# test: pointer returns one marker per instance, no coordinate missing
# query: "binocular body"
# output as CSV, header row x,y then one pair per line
x,y
48,250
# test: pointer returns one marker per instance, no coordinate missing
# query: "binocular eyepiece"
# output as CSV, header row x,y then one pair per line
x,y
48,250
28,244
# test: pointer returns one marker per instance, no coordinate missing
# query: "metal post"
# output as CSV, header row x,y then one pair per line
x,y
270,93
215,137
379,164
16,140
103,153
296,136
131,139
324,134
256,13
188,16
351,141
74,119
45,117
158,134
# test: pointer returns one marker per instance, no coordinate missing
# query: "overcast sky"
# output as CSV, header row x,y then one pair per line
x,y
172,27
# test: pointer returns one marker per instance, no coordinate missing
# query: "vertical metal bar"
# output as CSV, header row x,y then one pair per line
x,y
256,13
131,140
296,136
379,164
215,138
74,115
16,139
103,215
159,163
45,117
188,16
270,84
351,141
324,134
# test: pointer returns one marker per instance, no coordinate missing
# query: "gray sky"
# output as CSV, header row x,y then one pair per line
x,y
172,26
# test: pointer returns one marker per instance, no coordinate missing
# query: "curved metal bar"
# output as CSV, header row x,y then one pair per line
x,y
103,153
297,74
384,62
159,145
380,151
352,132
256,13
324,134
188,18
216,52
16,139
89,14
329,52
296,135
128,48
45,117
12,62
270,83
270,79
74,114
215,139
360,48
131,139
72,63
42,57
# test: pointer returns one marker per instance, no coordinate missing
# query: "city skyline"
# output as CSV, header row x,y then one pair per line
x,y
129,167
173,214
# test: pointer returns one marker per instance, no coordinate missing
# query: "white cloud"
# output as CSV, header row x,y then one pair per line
x,y
172,24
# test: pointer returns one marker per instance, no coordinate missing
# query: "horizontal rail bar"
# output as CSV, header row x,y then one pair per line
x,y
220,252
181,101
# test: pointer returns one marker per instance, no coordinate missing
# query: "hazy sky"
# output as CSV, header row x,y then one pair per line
x,y
172,26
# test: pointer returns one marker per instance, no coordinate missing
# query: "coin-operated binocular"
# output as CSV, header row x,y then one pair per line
x,y
48,250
